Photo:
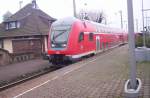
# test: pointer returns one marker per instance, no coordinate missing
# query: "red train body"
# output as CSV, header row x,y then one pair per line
x,y
71,39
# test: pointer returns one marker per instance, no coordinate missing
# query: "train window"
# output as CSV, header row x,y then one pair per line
x,y
81,36
91,37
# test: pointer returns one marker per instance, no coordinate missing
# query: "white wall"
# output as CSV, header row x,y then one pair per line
x,y
8,45
45,42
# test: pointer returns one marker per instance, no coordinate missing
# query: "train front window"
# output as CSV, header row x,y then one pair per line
x,y
59,36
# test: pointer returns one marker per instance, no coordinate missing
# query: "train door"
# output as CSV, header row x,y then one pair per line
x,y
81,42
97,44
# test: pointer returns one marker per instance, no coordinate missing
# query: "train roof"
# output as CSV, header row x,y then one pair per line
x,y
65,21
106,28
99,27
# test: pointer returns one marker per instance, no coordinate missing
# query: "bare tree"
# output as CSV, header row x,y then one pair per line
x,y
96,16
100,17
6,15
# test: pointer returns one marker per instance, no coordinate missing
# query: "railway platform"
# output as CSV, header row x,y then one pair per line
x,y
102,76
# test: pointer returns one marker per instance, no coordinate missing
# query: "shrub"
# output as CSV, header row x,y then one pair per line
x,y
139,41
148,41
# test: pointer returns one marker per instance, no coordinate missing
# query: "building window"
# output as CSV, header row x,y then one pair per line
x,y
1,43
12,25
91,37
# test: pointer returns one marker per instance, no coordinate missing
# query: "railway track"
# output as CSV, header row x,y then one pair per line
x,y
24,78
34,75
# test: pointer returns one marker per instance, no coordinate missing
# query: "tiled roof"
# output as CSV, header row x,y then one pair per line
x,y
32,22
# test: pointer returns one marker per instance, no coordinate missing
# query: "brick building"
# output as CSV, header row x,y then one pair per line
x,y
25,33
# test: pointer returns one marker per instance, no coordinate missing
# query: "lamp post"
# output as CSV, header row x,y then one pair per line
x,y
144,32
144,43
147,21
131,45
146,18
137,27
74,9
20,4
133,85
121,21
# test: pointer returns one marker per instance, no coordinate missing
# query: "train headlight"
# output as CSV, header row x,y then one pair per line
x,y
53,45
64,45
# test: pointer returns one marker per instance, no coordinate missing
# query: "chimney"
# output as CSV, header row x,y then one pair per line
x,y
34,5
20,4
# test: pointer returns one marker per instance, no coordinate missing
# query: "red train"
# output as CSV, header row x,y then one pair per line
x,y
71,39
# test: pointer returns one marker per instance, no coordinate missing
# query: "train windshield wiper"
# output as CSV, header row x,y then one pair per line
x,y
54,37
57,36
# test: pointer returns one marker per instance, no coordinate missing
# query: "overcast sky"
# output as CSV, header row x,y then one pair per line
x,y
63,8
